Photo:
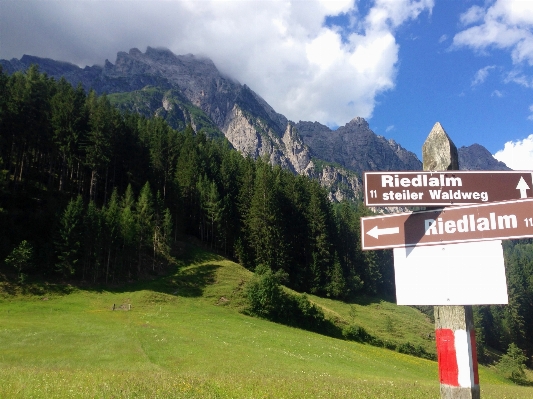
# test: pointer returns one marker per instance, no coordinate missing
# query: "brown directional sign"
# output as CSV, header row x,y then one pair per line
x,y
446,187
492,221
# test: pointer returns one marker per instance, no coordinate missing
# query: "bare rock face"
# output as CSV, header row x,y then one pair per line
x,y
296,151
477,157
356,147
342,184
253,137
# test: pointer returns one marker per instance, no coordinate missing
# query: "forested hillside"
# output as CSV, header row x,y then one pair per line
x,y
100,195
93,194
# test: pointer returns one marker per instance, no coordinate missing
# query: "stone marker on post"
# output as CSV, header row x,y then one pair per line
x,y
438,151
454,325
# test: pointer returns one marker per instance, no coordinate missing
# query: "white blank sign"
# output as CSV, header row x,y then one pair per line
x,y
455,274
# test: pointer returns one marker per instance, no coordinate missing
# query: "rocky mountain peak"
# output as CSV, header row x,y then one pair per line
x,y
477,157
134,51
358,122
356,147
162,55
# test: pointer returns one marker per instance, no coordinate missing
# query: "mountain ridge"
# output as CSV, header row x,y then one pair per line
x,y
190,89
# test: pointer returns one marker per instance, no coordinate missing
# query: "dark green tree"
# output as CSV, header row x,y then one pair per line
x,y
92,242
321,249
264,221
68,123
111,215
97,144
513,364
128,228
144,212
70,237
21,259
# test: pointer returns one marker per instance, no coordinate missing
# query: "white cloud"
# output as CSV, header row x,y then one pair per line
x,y
530,117
482,75
472,15
518,155
389,128
497,93
280,48
504,24
518,77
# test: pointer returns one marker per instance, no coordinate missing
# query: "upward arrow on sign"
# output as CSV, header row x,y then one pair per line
x,y
523,187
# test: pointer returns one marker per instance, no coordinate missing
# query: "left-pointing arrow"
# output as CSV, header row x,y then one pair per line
x,y
376,232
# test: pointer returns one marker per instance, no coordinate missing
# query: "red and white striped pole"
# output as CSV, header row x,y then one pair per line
x,y
454,325
456,350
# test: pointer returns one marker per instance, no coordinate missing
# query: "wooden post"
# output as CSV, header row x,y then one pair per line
x,y
454,325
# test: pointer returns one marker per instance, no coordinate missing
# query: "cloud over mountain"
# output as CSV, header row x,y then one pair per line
x,y
297,54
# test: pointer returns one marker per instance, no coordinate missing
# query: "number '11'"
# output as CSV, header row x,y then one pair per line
x,y
529,222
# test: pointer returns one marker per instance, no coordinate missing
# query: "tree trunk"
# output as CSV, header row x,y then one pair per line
x,y
108,261
92,187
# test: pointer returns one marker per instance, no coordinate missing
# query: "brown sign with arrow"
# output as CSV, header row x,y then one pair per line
x,y
446,188
458,224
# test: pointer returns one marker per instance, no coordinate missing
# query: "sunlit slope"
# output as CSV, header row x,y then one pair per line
x,y
181,336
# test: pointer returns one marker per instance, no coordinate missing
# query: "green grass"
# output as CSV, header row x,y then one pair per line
x,y
185,338
384,320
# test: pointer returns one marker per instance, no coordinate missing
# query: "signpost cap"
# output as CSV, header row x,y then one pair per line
x,y
439,152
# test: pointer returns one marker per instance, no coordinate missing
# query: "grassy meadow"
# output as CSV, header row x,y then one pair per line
x,y
182,336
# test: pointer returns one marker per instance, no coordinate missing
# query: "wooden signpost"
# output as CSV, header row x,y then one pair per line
x,y
454,325
441,184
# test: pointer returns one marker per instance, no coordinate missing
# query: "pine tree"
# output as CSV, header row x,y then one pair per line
x,y
67,118
211,206
347,245
21,259
166,242
129,229
144,212
188,170
319,237
264,222
243,247
98,142
111,215
70,237
162,226
513,364
92,240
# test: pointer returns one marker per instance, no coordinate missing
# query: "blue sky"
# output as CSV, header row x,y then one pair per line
x,y
467,89
401,64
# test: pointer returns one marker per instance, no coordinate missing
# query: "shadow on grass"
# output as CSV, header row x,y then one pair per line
x,y
35,288
187,276
189,282
364,300
195,255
